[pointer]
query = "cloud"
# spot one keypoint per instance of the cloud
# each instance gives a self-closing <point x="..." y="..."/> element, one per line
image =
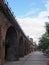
<point x="35" y="27"/>
<point x="30" y="12"/>
<point x="33" y="3"/>
<point x="45" y="13"/>
<point x="47" y="6"/>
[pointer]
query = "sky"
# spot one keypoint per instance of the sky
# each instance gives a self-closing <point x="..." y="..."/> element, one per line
<point x="31" y="16"/>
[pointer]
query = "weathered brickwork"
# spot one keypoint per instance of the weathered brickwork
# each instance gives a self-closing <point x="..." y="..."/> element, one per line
<point x="13" y="42"/>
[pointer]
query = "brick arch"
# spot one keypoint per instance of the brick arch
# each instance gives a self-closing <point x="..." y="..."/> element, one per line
<point x="21" y="47"/>
<point x="25" y="48"/>
<point x="10" y="44"/>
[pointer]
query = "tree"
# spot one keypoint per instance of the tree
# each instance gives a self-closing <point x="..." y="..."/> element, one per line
<point x="44" y="40"/>
<point x="47" y="27"/>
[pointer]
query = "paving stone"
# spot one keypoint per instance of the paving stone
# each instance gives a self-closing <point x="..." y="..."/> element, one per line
<point x="34" y="58"/>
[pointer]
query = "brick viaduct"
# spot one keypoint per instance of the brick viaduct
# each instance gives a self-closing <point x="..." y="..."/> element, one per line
<point x="13" y="42"/>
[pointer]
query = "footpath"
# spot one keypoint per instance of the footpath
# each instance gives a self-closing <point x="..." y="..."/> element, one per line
<point x="34" y="58"/>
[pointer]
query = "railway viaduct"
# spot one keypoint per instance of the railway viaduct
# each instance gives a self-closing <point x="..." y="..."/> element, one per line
<point x="13" y="42"/>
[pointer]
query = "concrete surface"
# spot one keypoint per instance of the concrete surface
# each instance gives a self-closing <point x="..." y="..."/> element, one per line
<point x="34" y="58"/>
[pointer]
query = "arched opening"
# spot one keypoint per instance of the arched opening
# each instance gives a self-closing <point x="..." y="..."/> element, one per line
<point x="25" y="48"/>
<point x="10" y="44"/>
<point x="21" y="46"/>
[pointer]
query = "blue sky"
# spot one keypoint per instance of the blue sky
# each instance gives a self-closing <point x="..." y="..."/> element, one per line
<point x="31" y="16"/>
<point x="21" y="7"/>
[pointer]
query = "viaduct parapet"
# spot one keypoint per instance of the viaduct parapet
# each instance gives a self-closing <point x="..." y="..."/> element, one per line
<point x="13" y="42"/>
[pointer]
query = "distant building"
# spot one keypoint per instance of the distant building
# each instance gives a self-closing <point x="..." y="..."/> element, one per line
<point x="34" y="46"/>
<point x="28" y="37"/>
<point x="31" y="39"/>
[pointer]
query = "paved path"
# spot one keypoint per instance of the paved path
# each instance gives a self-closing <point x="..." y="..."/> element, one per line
<point x="35" y="58"/>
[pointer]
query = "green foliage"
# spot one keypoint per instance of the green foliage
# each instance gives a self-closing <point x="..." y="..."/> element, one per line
<point x="47" y="27"/>
<point x="44" y="40"/>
